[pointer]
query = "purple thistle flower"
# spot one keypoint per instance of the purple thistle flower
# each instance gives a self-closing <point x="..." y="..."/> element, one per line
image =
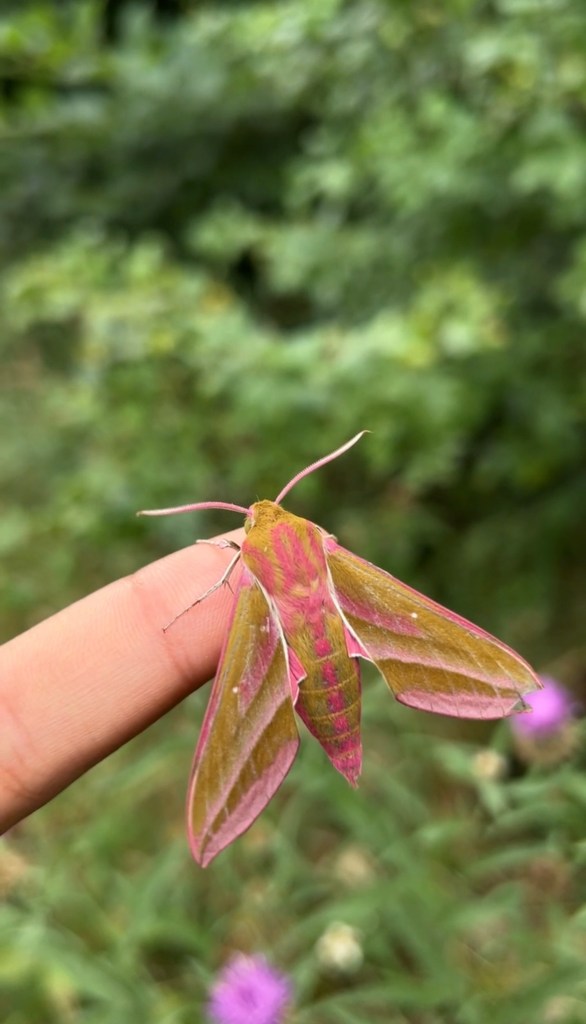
<point x="549" y="733"/>
<point x="249" y="991"/>
<point x="552" y="708"/>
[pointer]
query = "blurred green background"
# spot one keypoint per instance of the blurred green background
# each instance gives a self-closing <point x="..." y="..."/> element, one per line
<point x="232" y="234"/>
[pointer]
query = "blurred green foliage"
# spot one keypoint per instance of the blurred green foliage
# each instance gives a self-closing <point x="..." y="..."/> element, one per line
<point x="231" y="236"/>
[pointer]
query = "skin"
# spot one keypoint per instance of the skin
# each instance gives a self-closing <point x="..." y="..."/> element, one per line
<point x="83" y="682"/>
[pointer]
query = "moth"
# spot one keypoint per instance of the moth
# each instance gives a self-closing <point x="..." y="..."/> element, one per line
<point x="305" y="611"/>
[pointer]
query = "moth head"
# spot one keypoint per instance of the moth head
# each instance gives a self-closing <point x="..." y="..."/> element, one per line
<point x="263" y="514"/>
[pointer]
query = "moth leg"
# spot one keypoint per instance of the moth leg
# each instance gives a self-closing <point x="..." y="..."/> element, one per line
<point x="223" y="543"/>
<point x="223" y="579"/>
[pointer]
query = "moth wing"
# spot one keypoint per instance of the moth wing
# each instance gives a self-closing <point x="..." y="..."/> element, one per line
<point x="431" y="658"/>
<point x="249" y="738"/>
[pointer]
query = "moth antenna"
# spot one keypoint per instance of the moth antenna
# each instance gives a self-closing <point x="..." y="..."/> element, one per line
<point x="317" y="465"/>
<point x="199" y="506"/>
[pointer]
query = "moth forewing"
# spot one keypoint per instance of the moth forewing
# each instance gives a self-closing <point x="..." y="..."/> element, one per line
<point x="431" y="658"/>
<point x="249" y="738"/>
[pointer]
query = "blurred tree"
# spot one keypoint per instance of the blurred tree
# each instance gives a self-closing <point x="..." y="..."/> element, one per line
<point x="113" y="12"/>
<point x="234" y="234"/>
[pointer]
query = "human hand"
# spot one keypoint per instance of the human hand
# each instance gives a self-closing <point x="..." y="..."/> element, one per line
<point x="83" y="682"/>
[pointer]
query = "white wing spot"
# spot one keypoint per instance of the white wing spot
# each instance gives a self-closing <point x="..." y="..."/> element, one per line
<point x="235" y="689"/>
<point x="414" y="615"/>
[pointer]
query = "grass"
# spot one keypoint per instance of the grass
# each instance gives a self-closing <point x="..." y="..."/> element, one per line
<point x="461" y="874"/>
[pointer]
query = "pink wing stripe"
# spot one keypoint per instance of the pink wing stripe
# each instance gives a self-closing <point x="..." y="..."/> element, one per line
<point x="460" y="705"/>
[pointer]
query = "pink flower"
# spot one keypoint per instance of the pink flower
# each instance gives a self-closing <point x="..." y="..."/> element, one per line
<point x="552" y="708"/>
<point x="249" y="991"/>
